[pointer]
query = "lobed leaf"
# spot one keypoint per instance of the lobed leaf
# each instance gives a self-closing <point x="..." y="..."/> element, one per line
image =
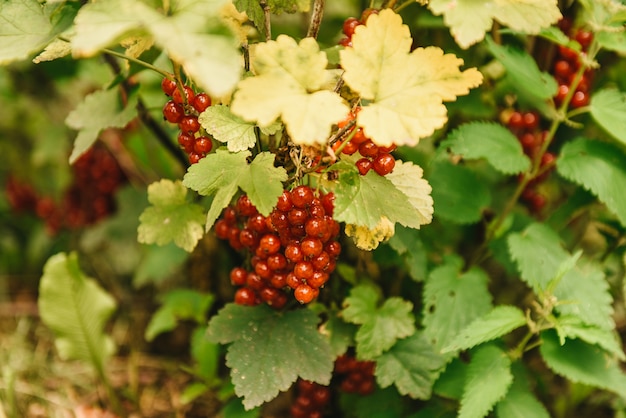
<point x="595" y="370"/>
<point x="574" y="328"/>
<point x="500" y="321"/>
<point x="598" y="167"/>
<point x="452" y="300"/>
<point x="408" y="178"/>
<point x="269" y="350"/>
<point x="226" y="127"/>
<point x="288" y="84"/>
<point x="490" y="141"/>
<point x="99" y="110"/>
<point x="222" y="173"/>
<point x="177" y="305"/>
<point x="171" y="217"/>
<point x="488" y="380"/>
<point x="405" y="89"/>
<point x="608" y="108"/>
<point x="411" y="365"/>
<point x="469" y="20"/>
<point x="76" y="309"/>
<point x="520" y="404"/>
<point x="380" y="326"/>
<point x="583" y="289"/>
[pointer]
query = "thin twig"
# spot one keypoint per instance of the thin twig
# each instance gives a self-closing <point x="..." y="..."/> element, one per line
<point x="316" y="19"/>
<point x="266" y="19"/>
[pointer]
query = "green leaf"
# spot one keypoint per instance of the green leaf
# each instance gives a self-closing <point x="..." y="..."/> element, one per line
<point x="159" y="263"/>
<point x="28" y="26"/>
<point x="459" y="195"/>
<point x="171" y="217"/>
<point x="364" y="200"/>
<point x="99" y="110"/>
<point x="500" y="321"/>
<point x="612" y="41"/>
<point x="451" y="382"/>
<point x="226" y="127"/>
<point x="407" y="243"/>
<point x="192" y="35"/>
<point x="235" y="409"/>
<point x="76" y="309"/>
<point x="179" y="304"/>
<point x="269" y="350"/>
<point x="223" y="172"/>
<point x="452" y="300"/>
<point x="205" y="353"/>
<point x="520" y="404"/>
<point x="412" y="365"/>
<point x="192" y="392"/>
<point x="491" y="141"/>
<point x="573" y="327"/>
<point x="523" y="72"/>
<point x="582" y="363"/>
<point x="381" y="326"/>
<point x="539" y="254"/>
<point x="340" y="334"/>
<point x="488" y="379"/>
<point x="408" y="178"/>
<point x="608" y="108"/>
<point x="600" y="168"/>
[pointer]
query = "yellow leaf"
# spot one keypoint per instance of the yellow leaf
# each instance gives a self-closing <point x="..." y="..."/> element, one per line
<point x="408" y="178"/>
<point x="468" y="20"/>
<point x="368" y="239"/>
<point x="287" y="84"/>
<point x="404" y="90"/>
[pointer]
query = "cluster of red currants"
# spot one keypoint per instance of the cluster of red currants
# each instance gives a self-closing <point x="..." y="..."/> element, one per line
<point x="566" y="65"/>
<point x="294" y="247"/>
<point x="351" y="23"/>
<point x="356" y="376"/>
<point x="183" y="109"/>
<point x="372" y="156"/>
<point x="526" y="126"/>
<point x="311" y="400"/>
<point x="88" y="199"/>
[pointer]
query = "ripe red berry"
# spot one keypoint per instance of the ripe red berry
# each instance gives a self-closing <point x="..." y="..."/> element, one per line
<point x="345" y="42"/>
<point x="222" y="229"/>
<point x="284" y="202"/>
<point x="333" y="249"/>
<point x="297" y="217"/>
<point x="168" y="86"/>
<point x="263" y="270"/>
<point x="302" y="196"/>
<point x="269" y="244"/>
<point x="303" y="270"/>
<point x="248" y="238"/>
<point x="359" y="137"/>
<point x="316" y="227"/>
<point x="173" y="112"/>
<point x="322" y="261"/>
<point x="367" y="13"/>
<point x="255" y="281"/>
<point x="201" y="102"/>
<point x="189" y="124"/>
<point x="305" y="293"/>
<point x="311" y="247"/>
<point x="563" y="69"/>
<point x="186" y="141"/>
<point x="238" y="276"/>
<point x="293" y="252"/>
<point x="516" y="121"/>
<point x="530" y="120"/>
<point x="584" y="38"/>
<point x="349" y="25"/>
<point x="177" y="96"/>
<point x="547" y="159"/>
<point x="368" y="149"/>
<point x="245" y="207"/>
<point x="194" y="157"/>
<point x="246" y="296"/>
<point x="276" y="262"/>
<point x="561" y="93"/>
<point x="579" y="99"/>
<point x="328" y="202"/>
<point x="384" y="164"/>
<point x="318" y="279"/>
<point x="203" y="145"/>
<point x="363" y="165"/>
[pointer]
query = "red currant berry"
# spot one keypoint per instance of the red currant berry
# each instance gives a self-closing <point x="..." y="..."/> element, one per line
<point x="363" y="165"/>
<point x="245" y="207"/>
<point x="584" y="38"/>
<point x="384" y="164"/>
<point x="230" y="216"/>
<point x="328" y="202"/>
<point x="245" y="296"/>
<point x="568" y="54"/>
<point x="297" y="217"/>
<point x="349" y="25"/>
<point x="173" y="112"/>
<point x="579" y="99"/>
<point x="322" y="261"/>
<point x="269" y="294"/>
<point x="561" y="93"/>
<point x="516" y="121"/>
<point x="269" y="244"/>
<point x="189" y="124"/>
<point x="563" y="69"/>
<point x="177" y="96"/>
<point x="293" y="252"/>
<point x="316" y="227"/>
<point x="350" y="148"/>
<point x="305" y="293"/>
<point x="367" y="13"/>
<point x="318" y="279"/>
<point x="368" y="149"/>
<point x="547" y="159"/>
<point x="292" y="281"/>
<point x="387" y="150"/>
<point x="194" y="157"/>
<point x="201" y="102"/>
<point x="303" y="270"/>
<point x="168" y="86"/>
<point x="279" y="280"/>
<point x="279" y="302"/>
<point x="333" y="249"/>
<point x="255" y="281"/>
<point x="248" y="238"/>
<point x="359" y="137"/>
<point x="186" y="141"/>
<point x="302" y="197"/>
<point x="257" y="223"/>
<point x="222" y="229"/>
<point x="311" y="247"/>
<point x="238" y="276"/>
<point x="277" y="262"/>
<point x="530" y="120"/>
<point x="203" y="145"/>
<point x="284" y="202"/>
<point x="345" y="42"/>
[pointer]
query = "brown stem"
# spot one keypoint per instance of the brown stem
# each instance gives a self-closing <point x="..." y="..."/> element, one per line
<point x="266" y="19"/>
<point x="316" y="19"/>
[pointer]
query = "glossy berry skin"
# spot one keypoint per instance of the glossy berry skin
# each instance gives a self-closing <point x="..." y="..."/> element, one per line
<point x="168" y="86"/>
<point x="384" y="164"/>
<point x="364" y="165"/>
<point x="245" y="296"/>
<point x="173" y="112"/>
<point x="201" y="102"/>
<point x="194" y="157"/>
<point x="203" y="145"/>
<point x="186" y="141"/>
<point x="305" y="293"/>
<point x="368" y="149"/>
<point x="349" y="25"/>
<point x="189" y="124"/>
<point x="579" y="99"/>
<point x="516" y="120"/>
<point x="177" y="96"/>
<point x="302" y="197"/>
<point x="238" y="276"/>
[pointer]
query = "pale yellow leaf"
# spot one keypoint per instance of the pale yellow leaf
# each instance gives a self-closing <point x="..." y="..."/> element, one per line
<point x="368" y="239"/>
<point x="405" y="90"/>
<point x="137" y="45"/>
<point x="408" y="178"/>
<point x="287" y="82"/>
<point x="55" y="49"/>
<point x="469" y="20"/>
